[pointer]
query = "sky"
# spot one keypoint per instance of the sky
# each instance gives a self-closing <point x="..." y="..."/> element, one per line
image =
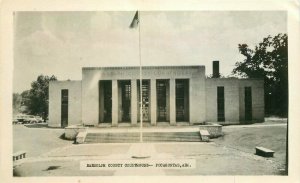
<point x="61" y="43"/>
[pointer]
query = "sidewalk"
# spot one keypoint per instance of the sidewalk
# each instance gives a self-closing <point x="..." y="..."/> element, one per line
<point x="211" y="159"/>
<point x="254" y="125"/>
<point x="232" y="154"/>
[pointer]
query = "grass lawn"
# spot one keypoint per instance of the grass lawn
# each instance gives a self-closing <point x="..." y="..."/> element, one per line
<point x="37" y="141"/>
<point x="246" y="139"/>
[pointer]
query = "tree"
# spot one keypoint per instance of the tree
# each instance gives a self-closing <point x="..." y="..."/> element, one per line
<point x="37" y="98"/>
<point x="268" y="60"/>
<point x="17" y="101"/>
<point x="25" y="101"/>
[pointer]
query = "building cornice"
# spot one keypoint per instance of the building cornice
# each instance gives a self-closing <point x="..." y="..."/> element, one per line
<point x="143" y="67"/>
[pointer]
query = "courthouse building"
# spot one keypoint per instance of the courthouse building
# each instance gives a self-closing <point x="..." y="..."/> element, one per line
<point x="173" y="95"/>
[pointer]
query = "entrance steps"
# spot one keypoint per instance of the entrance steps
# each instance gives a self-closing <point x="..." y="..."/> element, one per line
<point x="131" y="135"/>
<point x="147" y="137"/>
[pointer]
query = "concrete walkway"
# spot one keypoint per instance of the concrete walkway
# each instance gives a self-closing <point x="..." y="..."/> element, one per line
<point x="254" y="125"/>
<point x="223" y="157"/>
<point x="210" y="158"/>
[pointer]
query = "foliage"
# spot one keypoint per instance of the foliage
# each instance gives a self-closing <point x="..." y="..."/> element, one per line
<point x="25" y="101"/>
<point x="268" y="60"/>
<point x="37" y="98"/>
<point x="17" y="101"/>
<point x="220" y="76"/>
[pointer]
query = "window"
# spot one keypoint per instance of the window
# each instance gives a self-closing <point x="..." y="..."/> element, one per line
<point x="182" y="100"/>
<point x="64" y="107"/>
<point x="220" y="103"/>
<point x="248" y="104"/>
<point x="162" y="99"/>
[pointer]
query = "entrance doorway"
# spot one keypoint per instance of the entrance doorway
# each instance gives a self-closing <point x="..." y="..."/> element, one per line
<point x="145" y="101"/>
<point x="162" y="89"/>
<point x="182" y="100"/>
<point x="124" y="100"/>
<point x="105" y="101"/>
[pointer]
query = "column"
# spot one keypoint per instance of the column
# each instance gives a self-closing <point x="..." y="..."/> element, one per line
<point x="133" y="102"/>
<point x="115" y="106"/>
<point x="153" y="101"/>
<point x="172" y="102"/>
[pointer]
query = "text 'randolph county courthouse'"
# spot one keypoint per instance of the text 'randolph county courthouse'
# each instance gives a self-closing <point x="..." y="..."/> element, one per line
<point x="171" y="95"/>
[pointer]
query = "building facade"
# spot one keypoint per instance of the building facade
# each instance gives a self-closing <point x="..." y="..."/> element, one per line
<point x="170" y="94"/>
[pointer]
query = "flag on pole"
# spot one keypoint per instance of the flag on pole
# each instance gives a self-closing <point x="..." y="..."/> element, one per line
<point x="135" y="20"/>
<point x="134" y="24"/>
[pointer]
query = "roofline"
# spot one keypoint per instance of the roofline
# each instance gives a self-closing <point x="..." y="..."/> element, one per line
<point x="235" y="79"/>
<point x="148" y="67"/>
<point x="65" y="81"/>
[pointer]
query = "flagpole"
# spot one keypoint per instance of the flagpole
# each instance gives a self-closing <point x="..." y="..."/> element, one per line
<point x="141" y="83"/>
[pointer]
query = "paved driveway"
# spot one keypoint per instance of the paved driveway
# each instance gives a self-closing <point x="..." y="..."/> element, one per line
<point x="49" y="155"/>
<point x="211" y="159"/>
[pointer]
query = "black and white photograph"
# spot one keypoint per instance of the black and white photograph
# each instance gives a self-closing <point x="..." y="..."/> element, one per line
<point x="149" y="93"/>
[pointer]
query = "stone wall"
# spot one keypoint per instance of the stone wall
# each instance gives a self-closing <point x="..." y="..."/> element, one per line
<point x="84" y="95"/>
<point x="258" y="101"/>
<point x="231" y="95"/>
<point x="74" y="105"/>
<point x="90" y="90"/>
<point x="234" y="93"/>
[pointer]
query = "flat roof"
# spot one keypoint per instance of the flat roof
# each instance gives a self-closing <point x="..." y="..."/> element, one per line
<point x="145" y="67"/>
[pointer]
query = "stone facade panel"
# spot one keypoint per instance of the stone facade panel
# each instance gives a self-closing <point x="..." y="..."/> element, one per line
<point x="74" y="104"/>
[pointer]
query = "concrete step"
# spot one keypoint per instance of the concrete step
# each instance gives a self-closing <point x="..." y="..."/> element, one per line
<point x="110" y="137"/>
